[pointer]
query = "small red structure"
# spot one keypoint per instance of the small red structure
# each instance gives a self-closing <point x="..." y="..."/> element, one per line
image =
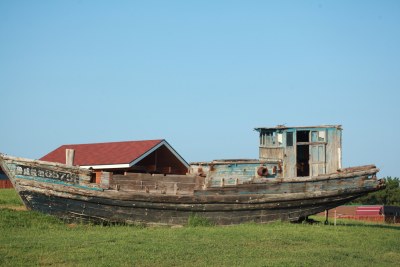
<point x="369" y="210"/>
<point x="4" y="181"/>
<point x="147" y="156"/>
<point x="372" y="213"/>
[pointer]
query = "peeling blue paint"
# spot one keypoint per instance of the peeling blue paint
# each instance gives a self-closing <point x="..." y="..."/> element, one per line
<point x="240" y="173"/>
<point x="58" y="182"/>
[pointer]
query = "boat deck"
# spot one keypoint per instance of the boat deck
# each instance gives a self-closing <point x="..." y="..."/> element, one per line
<point x="158" y="183"/>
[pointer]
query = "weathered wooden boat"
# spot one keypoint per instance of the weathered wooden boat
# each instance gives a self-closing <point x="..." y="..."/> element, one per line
<point x="298" y="174"/>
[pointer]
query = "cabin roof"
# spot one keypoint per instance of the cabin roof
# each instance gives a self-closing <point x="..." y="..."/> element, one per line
<point x="284" y="127"/>
<point x="110" y="154"/>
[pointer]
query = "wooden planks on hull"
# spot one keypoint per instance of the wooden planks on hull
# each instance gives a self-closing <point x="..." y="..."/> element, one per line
<point x="218" y="199"/>
<point x="77" y="210"/>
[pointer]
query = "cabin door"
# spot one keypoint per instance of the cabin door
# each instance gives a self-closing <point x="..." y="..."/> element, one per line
<point x="318" y="153"/>
<point x="289" y="164"/>
<point x="303" y="153"/>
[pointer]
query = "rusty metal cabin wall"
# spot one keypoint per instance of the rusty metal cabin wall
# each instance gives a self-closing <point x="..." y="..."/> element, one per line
<point x="199" y="168"/>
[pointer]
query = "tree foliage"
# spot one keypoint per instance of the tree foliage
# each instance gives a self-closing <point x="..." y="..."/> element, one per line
<point x="389" y="196"/>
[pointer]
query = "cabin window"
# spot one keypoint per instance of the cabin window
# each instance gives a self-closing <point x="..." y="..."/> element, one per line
<point x="271" y="139"/>
<point x="303" y="136"/>
<point x="322" y="136"/>
<point x="289" y="139"/>
<point x="262" y="139"/>
<point x="318" y="136"/>
<point x="267" y="138"/>
<point x="279" y="138"/>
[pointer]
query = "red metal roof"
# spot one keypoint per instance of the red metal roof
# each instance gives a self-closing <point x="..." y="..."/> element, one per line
<point x="103" y="153"/>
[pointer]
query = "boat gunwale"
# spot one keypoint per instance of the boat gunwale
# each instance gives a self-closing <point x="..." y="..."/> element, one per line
<point x="36" y="162"/>
<point x="340" y="174"/>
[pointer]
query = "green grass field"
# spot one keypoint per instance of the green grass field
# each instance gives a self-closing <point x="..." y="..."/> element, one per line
<point x="29" y="238"/>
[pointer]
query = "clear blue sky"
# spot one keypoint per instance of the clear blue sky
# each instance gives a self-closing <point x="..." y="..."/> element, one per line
<point x="201" y="74"/>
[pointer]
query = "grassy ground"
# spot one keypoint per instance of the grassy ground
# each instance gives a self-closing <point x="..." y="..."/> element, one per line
<point x="9" y="199"/>
<point x="29" y="238"/>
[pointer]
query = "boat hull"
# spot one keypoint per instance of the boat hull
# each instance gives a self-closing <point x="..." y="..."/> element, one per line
<point x="116" y="211"/>
<point x="66" y="192"/>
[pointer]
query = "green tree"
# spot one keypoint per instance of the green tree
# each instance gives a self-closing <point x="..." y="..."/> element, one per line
<point x="389" y="196"/>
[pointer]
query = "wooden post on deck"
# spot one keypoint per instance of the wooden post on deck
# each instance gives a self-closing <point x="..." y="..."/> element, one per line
<point x="69" y="156"/>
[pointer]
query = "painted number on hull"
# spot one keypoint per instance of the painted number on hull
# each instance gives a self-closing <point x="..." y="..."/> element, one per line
<point x="37" y="172"/>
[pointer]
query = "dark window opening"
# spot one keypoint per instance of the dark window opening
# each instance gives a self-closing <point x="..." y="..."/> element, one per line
<point x="303" y="136"/>
<point x="302" y="163"/>
<point x="267" y="138"/>
<point x="289" y="139"/>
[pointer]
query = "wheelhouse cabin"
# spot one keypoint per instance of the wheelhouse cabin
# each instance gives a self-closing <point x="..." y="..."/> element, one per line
<point x="302" y="151"/>
<point x="284" y="152"/>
